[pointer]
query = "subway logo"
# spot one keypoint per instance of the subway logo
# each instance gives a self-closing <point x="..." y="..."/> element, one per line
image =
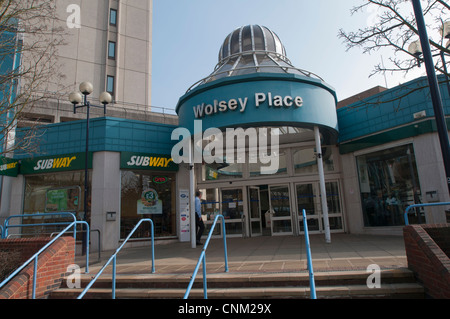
<point x="149" y="161"/>
<point x="52" y="163"/>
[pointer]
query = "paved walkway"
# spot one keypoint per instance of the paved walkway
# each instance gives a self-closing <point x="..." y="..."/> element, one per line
<point x="262" y="254"/>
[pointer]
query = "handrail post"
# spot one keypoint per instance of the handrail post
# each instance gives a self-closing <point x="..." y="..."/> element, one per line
<point x="225" y="244"/>
<point x="312" y="284"/>
<point x="34" y="277"/>
<point x="153" y="247"/>
<point x="114" y="278"/>
<point x="205" y="293"/>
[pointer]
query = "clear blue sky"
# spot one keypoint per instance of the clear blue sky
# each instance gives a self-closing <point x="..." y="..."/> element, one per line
<point x="187" y="36"/>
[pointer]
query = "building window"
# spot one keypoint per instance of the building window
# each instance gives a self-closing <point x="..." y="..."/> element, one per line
<point x="110" y="84"/>
<point x="388" y="183"/>
<point x="51" y="193"/>
<point x="305" y="160"/>
<point x="148" y="195"/>
<point x="112" y="50"/>
<point x="113" y="17"/>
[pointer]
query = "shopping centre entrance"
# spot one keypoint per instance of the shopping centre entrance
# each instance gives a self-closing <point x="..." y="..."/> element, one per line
<point x="272" y="209"/>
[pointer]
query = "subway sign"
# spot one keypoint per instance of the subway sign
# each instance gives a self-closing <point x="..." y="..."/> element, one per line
<point x="9" y="167"/>
<point x="55" y="163"/>
<point x="146" y="161"/>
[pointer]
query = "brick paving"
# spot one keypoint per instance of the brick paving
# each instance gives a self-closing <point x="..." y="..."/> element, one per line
<point x="261" y="255"/>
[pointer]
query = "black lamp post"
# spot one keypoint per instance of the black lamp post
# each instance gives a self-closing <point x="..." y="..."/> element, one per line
<point x="76" y="98"/>
<point x="434" y="89"/>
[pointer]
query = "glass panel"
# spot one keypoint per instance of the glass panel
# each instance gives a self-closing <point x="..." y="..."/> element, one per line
<point x="279" y="200"/>
<point x="269" y="41"/>
<point x="210" y="203"/>
<point x="313" y="224"/>
<point x="282" y="226"/>
<point x="111" y="50"/>
<point x="256" y="227"/>
<point x="254" y="203"/>
<point x="233" y="228"/>
<point x="220" y="171"/>
<point x="258" y="38"/>
<point x="333" y="201"/>
<point x="110" y="84"/>
<point x="138" y="187"/>
<point x="225" y="52"/>
<point x="335" y="223"/>
<point x="235" y="43"/>
<point x="305" y="161"/>
<point x="247" y="39"/>
<point x="232" y="204"/>
<point x="63" y="191"/>
<point x="217" y="230"/>
<point x="306" y="199"/>
<point x="113" y="17"/>
<point x="255" y="164"/>
<point x="388" y="183"/>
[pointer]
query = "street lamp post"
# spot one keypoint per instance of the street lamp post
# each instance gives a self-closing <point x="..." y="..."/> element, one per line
<point x="434" y="89"/>
<point x="76" y="98"/>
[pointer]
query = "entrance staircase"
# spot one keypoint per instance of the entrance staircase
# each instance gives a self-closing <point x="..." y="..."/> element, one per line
<point x="395" y="283"/>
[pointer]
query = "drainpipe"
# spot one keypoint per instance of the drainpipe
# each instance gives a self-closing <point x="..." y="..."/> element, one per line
<point x="192" y="197"/>
<point x="323" y="193"/>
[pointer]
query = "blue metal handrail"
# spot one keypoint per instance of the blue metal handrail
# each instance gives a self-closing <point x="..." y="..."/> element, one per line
<point x="6" y="224"/>
<point x="202" y="259"/>
<point x="113" y="259"/>
<point x="36" y="255"/>
<point x="312" y="284"/>
<point x="421" y="205"/>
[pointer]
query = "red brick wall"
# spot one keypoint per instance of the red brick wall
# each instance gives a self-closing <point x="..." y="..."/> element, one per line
<point x="52" y="266"/>
<point x="427" y="260"/>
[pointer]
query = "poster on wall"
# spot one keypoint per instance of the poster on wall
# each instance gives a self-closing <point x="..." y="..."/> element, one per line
<point x="149" y="203"/>
<point x="62" y="199"/>
<point x="184" y="215"/>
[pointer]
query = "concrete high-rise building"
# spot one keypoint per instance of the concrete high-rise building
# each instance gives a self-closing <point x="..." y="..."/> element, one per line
<point x="107" y="43"/>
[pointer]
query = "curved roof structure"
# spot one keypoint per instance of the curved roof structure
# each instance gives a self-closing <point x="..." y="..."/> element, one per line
<point x="252" y="49"/>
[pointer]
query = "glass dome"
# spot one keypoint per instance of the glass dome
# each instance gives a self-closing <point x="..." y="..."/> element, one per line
<point x="251" y="38"/>
<point x="252" y="49"/>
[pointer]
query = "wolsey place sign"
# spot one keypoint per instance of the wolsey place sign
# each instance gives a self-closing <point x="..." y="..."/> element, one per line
<point x="276" y="101"/>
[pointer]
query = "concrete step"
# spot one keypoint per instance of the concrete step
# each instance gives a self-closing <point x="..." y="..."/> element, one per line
<point x="397" y="291"/>
<point x="334" y="284"/>
<point x="229" y="280"/>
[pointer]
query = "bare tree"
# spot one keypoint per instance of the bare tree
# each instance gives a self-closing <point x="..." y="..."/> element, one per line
<point x="395" y="27"/>
<point x="29" y="38"/>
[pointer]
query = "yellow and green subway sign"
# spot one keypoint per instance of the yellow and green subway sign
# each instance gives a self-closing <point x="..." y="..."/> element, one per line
<point x="9" y="166"/>
<point x="56" y="163"/>
<point x="145" y="161"/>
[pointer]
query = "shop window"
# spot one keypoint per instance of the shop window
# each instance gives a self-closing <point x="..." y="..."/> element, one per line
<point x="148" y="195"/>
<point x="388" y="183"/>
<point x="51" y="193"/>
<point x="305" y="160"/>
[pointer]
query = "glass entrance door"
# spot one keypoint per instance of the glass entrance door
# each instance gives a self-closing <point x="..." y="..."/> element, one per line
<point x="280" y="210"/>
<point x="308" y="198"/>
<point x="233" y="211"/>
<point x="254" y="204"/>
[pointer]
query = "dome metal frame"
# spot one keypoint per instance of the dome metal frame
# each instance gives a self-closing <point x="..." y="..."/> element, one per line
<point x="235" y="58"/>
